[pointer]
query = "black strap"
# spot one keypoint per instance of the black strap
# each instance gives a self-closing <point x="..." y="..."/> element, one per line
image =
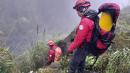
<point x="94" y="62"/>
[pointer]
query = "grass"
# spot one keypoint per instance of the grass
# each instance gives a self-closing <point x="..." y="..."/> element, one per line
<point x="33" y="59"/>
<point x="7" y="64"/>
<point x="119" y="62"/>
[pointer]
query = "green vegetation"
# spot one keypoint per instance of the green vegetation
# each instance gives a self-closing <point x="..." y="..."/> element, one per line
<point x="33" y="58"/>
<point x="119" y="62"/>
<point x="7" y="64"/>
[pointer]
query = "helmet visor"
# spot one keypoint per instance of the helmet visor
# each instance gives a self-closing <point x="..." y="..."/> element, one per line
<point x="85" y="4"/>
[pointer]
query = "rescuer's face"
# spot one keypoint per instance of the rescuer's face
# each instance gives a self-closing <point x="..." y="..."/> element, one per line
<point x="79" y="14"/>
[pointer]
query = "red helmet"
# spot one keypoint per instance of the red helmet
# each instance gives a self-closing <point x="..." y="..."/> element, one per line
<point x="112" y="8"/>
<point x="84" y="3"/>
<point x="51" y="42"/>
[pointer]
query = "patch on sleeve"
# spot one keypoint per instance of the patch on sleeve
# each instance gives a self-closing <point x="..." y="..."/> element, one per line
<point x="50" y="55"/>
<point x="81" y="27"/>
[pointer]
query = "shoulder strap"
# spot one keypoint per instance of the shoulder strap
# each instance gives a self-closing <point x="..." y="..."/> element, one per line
<point x="91" y="14"/>
<point x="94" y="62"/>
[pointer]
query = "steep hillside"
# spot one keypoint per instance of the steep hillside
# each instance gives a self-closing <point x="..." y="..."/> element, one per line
<point x="124" y="20"/>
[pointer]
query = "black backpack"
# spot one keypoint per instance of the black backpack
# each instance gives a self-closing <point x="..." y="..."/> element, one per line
<point x="96" y="35"/>
<point x="107" y="38"/>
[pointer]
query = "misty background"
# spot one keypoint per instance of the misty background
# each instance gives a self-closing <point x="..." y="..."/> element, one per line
<point x="23" y="22"/>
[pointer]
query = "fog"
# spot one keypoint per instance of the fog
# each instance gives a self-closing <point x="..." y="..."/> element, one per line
<point x="20" y="20"/>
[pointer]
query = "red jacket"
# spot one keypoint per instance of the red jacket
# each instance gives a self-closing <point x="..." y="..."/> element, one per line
<point x="84" y="32"/>
<point x="54" y="54"/>
<point x="51" y="55"/>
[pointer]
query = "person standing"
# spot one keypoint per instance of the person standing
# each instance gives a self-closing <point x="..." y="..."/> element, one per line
<point x="83" y="33"/>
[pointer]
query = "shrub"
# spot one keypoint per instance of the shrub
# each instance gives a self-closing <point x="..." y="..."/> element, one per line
<point x="64" y="63"/>
<point x="33" y="59"/>
<point x="49" y="70"/>
<point x="7" y="64"/>
<point x="119" y="62"/>
<point x="63" y="45"/>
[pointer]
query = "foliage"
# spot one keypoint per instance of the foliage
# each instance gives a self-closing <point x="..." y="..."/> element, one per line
<point x="64" y="63"/>
<point x="102" y="63"/>
<point x="48" y="70"/>
<point x="119" y="62"/>
<point x="33" y="59"/>
<point x="7" y="64"/>
<point x="62" y="44"/>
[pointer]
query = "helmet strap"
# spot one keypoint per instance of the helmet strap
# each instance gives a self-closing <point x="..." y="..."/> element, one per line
<point x="86" y="10"/>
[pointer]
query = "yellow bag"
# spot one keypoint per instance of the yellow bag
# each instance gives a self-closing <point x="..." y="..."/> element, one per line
<point x="105" y="21"/>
